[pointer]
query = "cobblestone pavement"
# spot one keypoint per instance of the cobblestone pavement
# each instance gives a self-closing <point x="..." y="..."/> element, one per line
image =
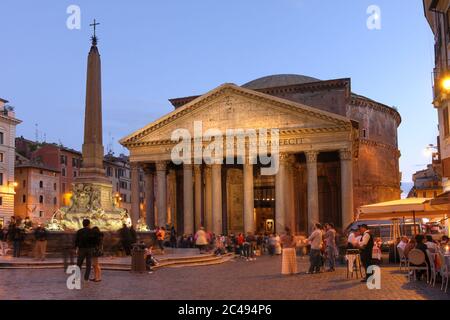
<point x="256" y="280"/>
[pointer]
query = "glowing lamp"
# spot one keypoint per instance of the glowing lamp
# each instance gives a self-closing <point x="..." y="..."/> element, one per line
<point x="446" y="83"/>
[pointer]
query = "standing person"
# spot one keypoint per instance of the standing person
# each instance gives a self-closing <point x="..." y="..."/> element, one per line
<point x="160" y="236"/>
<point x="97" y="238"/>
<point x="277" y="244"/>
<point x="289" y="257"/>
<point x="18" y="238"/>
<point x="173" y="237"/>
<point x="84" y="243"/>
<point x="126" y="239"/>
<point x="3" y="239"/>
<point x="40" y="235"/>
<point x="201" y="240"/>
<point x="134" y="238"/>
<point x="240" y="243"/>
<point x="331" y="248"/>
<point x="248" y="246"/>
<point x="315" y="240"/>
<point x="352" y="240"/>
<point x="366" y="248"/>
<point x="272" y="244"/>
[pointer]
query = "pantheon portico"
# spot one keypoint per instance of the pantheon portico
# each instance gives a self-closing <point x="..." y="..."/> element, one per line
<point x="318" y="169"/>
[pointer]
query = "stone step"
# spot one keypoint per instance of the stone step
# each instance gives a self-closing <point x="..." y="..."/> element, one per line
<point x="169" y="262"/>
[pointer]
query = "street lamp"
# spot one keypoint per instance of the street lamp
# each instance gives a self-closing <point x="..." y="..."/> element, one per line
<point x="445" y="83"/>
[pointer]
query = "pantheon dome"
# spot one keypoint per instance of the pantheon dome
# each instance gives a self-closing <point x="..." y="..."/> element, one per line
<point x="278" y="80"/>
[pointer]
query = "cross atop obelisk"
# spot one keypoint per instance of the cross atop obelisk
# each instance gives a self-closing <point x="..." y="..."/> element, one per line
<point x="94" y="37"/>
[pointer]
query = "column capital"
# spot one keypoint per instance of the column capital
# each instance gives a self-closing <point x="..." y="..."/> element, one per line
<point x="161" y="165"/>
<point x="345" y="154"/>
<point x="286" y="158"/>
<point x="311" y="156"/>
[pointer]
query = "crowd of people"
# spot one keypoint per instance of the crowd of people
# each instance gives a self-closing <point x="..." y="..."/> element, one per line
<point x="324" y="244"/>
<point x="14" y="233"/>
<point x="424" y="243"/>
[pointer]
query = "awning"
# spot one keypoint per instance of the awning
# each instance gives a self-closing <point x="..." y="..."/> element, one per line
<point x="399" y="209"/>
<point x="442" y="200"/>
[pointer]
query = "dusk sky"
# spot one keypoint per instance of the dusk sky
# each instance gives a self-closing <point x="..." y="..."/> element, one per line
<point x="156" y="50"/>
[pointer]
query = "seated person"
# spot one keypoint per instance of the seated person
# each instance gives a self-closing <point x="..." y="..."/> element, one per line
<point x="411" y="245"/>
<point x="421" y="245"/>
<point x="403" y="243"/>
<point x="150" y="260"/>
<point x="431" y="245"/>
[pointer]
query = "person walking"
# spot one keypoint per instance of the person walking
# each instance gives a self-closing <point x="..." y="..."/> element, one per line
<point x="330" y="246"/>
<point x="366" y="247"/>
<point x="84" y="244"/>
<point x="315" y="240"/>
<point x="160" y="236"/>
<point x="40" y="249"/>
<point x="201" y="240"/>
<point x="126" y="239"/>
<point x="289" y="257"/>
<point x="97" y="238"/>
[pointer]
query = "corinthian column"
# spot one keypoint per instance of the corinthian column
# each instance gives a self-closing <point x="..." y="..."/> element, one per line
<point x="149" y="198"/>
<point x="347" y="187"/>
<point x="161" y="197"/>
<point x="216" y="198"/>
<point x="280" y="190"/>
<point x="198" y="196"/>
<point x="188" y="199"/>
<point x="249" y="201"/>
<point x="313" y="188"/>
<point x="290" y="195"/>
<point x="135" y="208"/>
<point x="208" y="199"/>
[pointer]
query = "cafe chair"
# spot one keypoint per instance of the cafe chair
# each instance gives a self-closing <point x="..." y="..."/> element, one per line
<point x="417" y="262"/>
<point x="403" y="259"/>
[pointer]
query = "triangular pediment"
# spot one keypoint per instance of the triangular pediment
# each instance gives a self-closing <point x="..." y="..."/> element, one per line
<point x="233" y="107"/>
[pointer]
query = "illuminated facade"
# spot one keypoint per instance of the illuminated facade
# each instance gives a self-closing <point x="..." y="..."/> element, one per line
<point x="8" y="123"/>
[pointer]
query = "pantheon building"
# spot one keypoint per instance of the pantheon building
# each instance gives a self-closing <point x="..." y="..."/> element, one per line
<point x="337" y="151"/>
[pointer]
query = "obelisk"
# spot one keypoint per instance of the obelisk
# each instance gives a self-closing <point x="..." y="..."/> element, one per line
<point x="92" y="190"/>
<point x="92" y="169"/>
